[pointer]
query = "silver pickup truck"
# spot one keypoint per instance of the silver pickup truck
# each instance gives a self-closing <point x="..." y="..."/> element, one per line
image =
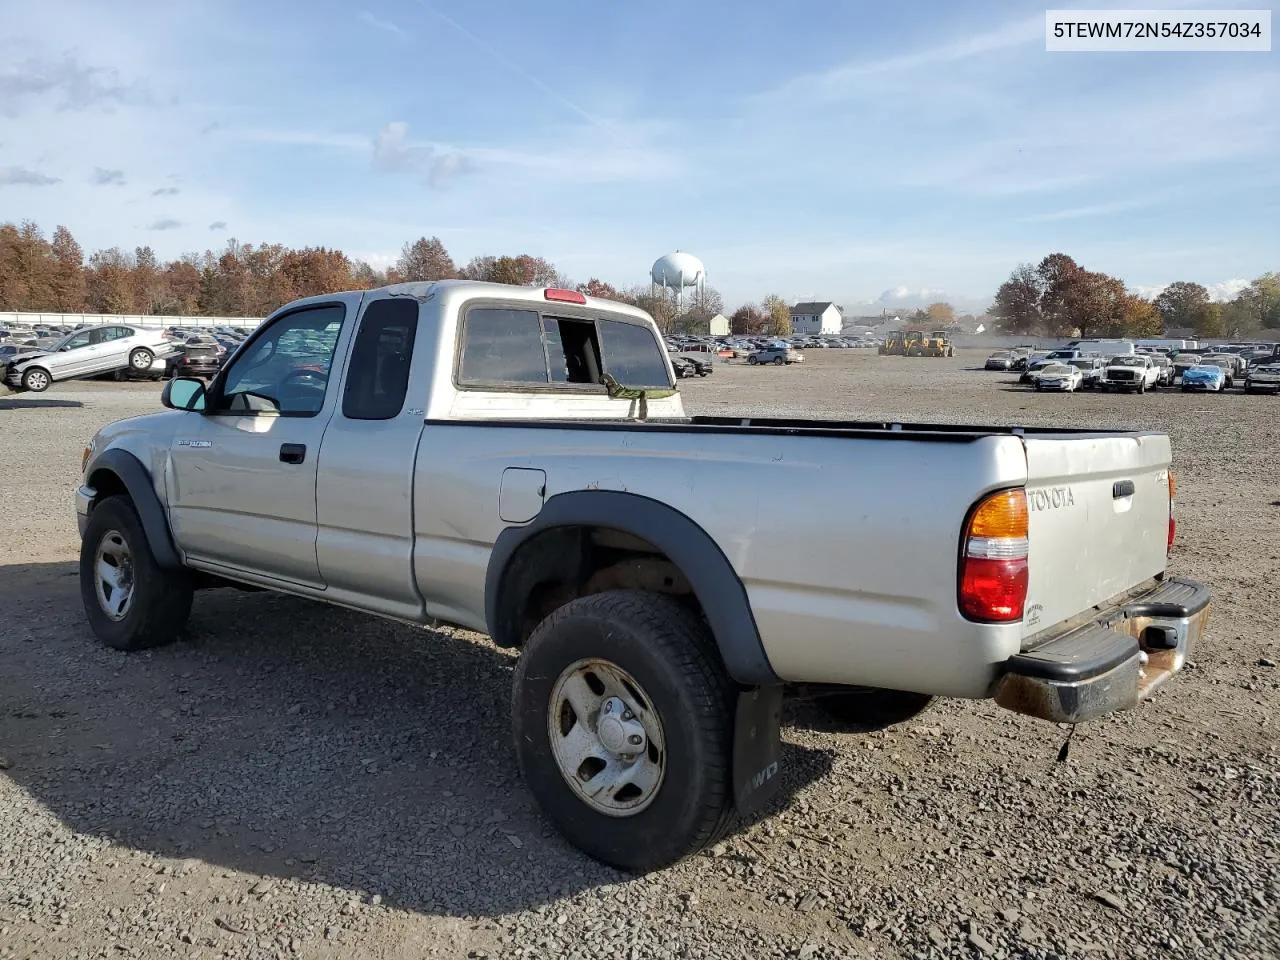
<point x="517" y="461"/>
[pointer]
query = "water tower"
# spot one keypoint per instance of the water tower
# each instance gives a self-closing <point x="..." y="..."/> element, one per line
<point x="675" y="273"/>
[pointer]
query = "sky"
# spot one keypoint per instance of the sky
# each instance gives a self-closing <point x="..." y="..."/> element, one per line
<point x="878" y="155"/>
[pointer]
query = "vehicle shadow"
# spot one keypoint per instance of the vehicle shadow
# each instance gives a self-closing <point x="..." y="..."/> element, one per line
<point x="25" y="403"/>
<point x="293" y="740"/>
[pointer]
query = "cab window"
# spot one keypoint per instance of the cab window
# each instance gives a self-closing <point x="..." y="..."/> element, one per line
<point x="285" y="371"/>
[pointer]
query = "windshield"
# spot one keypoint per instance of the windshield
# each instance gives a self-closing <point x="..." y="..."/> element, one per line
<point x="1083" y="364"/>
<point x="1128" y="361"/>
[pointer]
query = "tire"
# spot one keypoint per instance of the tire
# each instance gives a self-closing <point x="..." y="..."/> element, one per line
<point x="778" y="361"/>
<point x="36" y="379"/>
<point x="665" y="648"/>
<point x="870" y="708"/>
<point x="752" y="360"/>
<point x="140" y="359"/>
<point x="1142" y="387"/>
<point x="159" y="600"/>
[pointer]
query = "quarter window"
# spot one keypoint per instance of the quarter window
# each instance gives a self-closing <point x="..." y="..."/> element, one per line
<point x="378" y="377"/>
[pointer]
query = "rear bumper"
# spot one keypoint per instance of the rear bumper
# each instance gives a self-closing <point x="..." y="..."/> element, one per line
<point x="1122" y="655"/>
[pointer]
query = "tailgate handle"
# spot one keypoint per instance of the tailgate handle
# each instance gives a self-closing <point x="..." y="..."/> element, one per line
<point x="1122" y="488"/>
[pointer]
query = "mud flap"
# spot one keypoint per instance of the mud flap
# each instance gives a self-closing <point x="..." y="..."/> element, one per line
<point x="757" y="747"/>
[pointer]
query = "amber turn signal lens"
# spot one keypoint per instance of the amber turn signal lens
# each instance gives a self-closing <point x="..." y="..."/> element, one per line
<point x="1002" y="514"/>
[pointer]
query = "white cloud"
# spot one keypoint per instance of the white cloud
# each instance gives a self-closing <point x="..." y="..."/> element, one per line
<point x="25" y="177"/>
<point x="393" y="152"/>
<point x="107" y="178"/>
<point x="1226" y="289"/>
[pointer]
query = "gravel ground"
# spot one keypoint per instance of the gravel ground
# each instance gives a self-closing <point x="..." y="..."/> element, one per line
<point x="295" y="780"/>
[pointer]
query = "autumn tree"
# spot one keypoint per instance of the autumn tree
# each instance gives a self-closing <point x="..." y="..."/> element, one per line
<point x="110" y="282"/>
<point x="598" y="288"/>
<point x="778" y="315"/>
<point x="1207" y="321"/>
<point x="67" y="280"/>
<point x="1017" y="304"/>
<point x="1258" y="304"/>
<point x="1180" y="302"/>
<point x="748" y="320"/>
<point x="1137" y="317"/>
<point x="148" y="297"/>
<point x="941" y="313"/>
<point x="425" y="259"/>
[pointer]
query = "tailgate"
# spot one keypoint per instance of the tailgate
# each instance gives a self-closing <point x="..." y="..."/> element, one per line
<point x="1098" y="520"/>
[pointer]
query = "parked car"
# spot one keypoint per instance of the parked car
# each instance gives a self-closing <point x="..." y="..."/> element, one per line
<point x="1164" y="369"/>
<point x="1001" y="360"/>
<point x="1130" y="372"/>
<point x="683" y="367"/>
<point x="200" y="357"/>
<point x="1263" y="379"/>
<point x="703" y="363"/>
<point x="775" y="355"/>
<point x="461" y="479"/>
<point x="1208" y="376"/>
<point x="1182" y="362"/>
<point x="86" y="353"/>
<point x="1032" y="370"/>
<point x="1228" y="366"/>
<point x="1090" y="370"/>
<point x="1235" y="364"/>
<point x="1056" y="375"/>
<point x="1059" y="376"/>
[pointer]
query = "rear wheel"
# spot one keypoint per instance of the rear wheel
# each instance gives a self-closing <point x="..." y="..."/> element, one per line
<point x="622" y="717"/>
<point x="140" y="359"/>
<point x="778" y="361"/>
<point x="132" y="603"/>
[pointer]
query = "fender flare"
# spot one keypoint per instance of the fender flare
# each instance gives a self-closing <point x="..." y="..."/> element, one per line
<point x="129" y="470"/>
<point x="715" y="583"/>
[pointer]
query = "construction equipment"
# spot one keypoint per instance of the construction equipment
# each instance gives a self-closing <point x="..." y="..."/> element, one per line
<point x="913" y="343"/>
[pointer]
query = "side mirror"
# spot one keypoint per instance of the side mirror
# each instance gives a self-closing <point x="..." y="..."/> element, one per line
<point x="183" y="393"/>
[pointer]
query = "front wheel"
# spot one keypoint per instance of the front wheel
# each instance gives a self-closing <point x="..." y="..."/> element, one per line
<point x="36" y="380"/>
<point x="622" y="715"/>
<point x="132" y="603"/>
<point x="752" y="360"/>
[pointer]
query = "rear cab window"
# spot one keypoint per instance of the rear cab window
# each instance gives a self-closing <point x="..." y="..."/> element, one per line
<point x="510" y="347"/>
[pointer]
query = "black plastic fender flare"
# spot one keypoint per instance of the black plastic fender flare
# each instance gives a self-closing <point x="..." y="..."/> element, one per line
<point x="715" y="583"/>
<point x="129" y="470"/>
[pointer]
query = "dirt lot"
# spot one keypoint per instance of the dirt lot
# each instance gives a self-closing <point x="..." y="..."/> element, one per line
<point x="295" y="780"/>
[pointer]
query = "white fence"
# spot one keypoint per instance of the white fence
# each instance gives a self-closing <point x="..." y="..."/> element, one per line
<point x="156" y="321"/>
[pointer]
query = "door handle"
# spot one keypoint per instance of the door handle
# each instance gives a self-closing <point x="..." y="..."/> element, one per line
<point x="293" y="452"/>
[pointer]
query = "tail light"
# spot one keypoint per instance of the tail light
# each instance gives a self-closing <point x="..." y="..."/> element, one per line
<point x="993" y="565"/>
<point x="1173" y="523"/>
<point x="564" y="296"/>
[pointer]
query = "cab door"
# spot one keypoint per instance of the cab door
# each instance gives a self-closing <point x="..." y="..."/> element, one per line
<point x="242" y="481"/>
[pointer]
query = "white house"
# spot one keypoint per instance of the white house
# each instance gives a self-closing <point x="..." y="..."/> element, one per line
<point x="814" y="318"/>
<point x="719" y="325"/>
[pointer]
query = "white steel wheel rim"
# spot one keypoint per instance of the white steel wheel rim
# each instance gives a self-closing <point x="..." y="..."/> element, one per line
<point x="607" y="738"/>
<point x="113" y="575"/>
<point x="141" y="360"/>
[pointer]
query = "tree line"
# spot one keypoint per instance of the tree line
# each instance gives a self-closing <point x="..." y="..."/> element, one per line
<point x="1059" y="297"/>
<point x="52" y="275"/>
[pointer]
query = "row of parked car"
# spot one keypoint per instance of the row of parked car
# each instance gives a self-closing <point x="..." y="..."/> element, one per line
<point x="119" y="350"/>
<point x="1214" y="369"/>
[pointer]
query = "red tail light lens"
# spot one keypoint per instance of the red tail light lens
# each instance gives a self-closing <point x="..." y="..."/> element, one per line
<point x="993" y="567"/>
<point x="565" y="296"/>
